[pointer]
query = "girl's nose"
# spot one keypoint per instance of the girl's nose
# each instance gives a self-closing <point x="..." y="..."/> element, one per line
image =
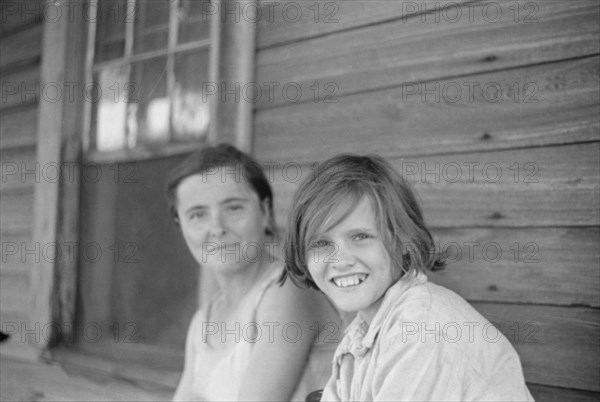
<point x="342" y="258"/>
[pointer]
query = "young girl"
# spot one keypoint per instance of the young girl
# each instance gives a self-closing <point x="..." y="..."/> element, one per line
<point x="357" y="233"/>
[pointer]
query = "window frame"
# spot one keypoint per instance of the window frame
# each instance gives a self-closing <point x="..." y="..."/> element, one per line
<point x="143" y="151"/>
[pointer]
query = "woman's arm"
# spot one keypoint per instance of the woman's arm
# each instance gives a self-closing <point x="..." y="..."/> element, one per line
<point x="277" y="362"/>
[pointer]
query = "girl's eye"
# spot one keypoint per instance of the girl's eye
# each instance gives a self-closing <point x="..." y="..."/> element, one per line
<point x="320" y="244"/>
<point x="362" y="236"/>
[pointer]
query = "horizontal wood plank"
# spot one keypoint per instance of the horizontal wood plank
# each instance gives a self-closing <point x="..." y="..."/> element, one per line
<point x="15" y="257"/>
<point x="22" y="88"/>
<point x="14" y="294"/>
<point x="48" y="381"/>
<point x="22" y="48"/>
<point x="17" y="345"/>
<point x="556" y="266"/>
<point x="542" y="393"/>
<point x="556" y="103"/>
<point x="20" y="171"/>
<point x="558" y="346"/>
<point x="17" y="212"/>
<point x="534" y="187"/>
<point x="544" y="187"/>
<point x="290" y="21"/>
<point x="18" y="127"/>
<point x="148" y="364"/>
<point x="17" y="15"/>
<point x="486" y="37"/>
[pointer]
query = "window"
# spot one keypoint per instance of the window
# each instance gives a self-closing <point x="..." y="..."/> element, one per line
<point x="151" y="58"/>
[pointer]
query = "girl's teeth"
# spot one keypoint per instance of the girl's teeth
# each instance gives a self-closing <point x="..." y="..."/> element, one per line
<point x="351" y="280"/>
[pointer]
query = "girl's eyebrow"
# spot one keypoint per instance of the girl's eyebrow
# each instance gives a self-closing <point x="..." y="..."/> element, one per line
<point x="362" y="229"/>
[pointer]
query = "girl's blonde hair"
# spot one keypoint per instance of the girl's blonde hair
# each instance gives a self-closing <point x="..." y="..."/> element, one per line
<point x="324" y="199"/>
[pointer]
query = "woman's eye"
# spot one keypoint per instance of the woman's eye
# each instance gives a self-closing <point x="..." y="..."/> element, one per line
<point x="196" y="215"/>
<point x="235" y="207"/>
<point x="362" y="236"/>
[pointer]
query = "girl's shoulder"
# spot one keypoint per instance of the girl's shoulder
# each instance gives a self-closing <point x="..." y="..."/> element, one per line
<point x="429" y="303"/>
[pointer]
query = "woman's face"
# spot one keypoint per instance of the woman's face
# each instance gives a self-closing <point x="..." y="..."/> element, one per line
<point x="222" y="220"/>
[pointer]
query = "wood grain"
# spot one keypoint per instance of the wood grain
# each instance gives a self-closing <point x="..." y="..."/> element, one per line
<point x="44" y="381"/>
<point x="17" y="212"/>
<point x="563" y="109"/>
<point x="533" y="187"/>
<point x="558" y="346"/>
<point x="289" y="21"/>
<point x="16" y="346"/>
<point x="22" y="88"/>
<point x="544" y="393"/>
<point x="14" y="293"/>
<point x="46" y="202"/>
<point x="18" y="127"/>
<point x="21" y="49"/>
<point x="20" y="171"/>
<point x="412" y="50"/>
<point x="14" y="262"/>
<point x="17" y="15"/>
<point x="556" y="266"/>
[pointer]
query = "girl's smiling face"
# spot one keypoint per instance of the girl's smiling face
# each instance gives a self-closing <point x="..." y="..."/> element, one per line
<point x="350" y="263"/>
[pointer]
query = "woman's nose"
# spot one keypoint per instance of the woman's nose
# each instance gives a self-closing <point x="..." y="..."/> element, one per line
<point x="217" y="228"/>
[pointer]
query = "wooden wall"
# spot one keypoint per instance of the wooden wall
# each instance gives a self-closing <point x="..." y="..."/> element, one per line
<point x="491" y="109"/>
<point x="20" y="47"/>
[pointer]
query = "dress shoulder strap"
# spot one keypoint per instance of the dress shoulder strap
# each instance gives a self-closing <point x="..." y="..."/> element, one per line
<point x="270" y="280"/>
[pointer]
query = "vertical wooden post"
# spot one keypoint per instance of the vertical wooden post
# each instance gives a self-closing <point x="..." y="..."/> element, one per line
<point x="56" y="202"/>
<point x="234" y="39"/>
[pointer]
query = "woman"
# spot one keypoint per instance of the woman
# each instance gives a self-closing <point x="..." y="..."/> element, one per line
<point x="255" y="340"/>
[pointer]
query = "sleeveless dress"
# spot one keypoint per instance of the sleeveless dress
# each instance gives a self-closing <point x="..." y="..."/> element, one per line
<point x="218" y="372"/>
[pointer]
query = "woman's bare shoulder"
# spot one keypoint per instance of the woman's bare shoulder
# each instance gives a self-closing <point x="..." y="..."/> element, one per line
<point x="292" y="302"/>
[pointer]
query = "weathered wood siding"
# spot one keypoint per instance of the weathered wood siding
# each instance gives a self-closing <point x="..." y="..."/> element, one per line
<point x="20" y="47"/>
<point x="491" y="109"/>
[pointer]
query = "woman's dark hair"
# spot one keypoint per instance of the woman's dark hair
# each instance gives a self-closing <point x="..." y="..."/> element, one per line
<point x="324" y="199"/>
<point x="210" y="160"/>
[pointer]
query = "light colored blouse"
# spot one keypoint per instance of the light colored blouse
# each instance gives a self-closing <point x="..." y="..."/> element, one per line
<point x="218" y="371"/>
<point x="425" y="343"/>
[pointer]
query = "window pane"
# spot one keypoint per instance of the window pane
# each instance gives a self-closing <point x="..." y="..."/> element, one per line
<point x="151" y="108"/>
<point x="110" y="32"/>
<point x="152" y="25"/>
<point x="193" y="20"/>
<point x="190" y="107"/>
<point x="110" y="98"/>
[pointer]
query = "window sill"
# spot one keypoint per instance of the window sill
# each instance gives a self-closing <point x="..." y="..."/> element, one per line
<point x="143" y="152"/>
